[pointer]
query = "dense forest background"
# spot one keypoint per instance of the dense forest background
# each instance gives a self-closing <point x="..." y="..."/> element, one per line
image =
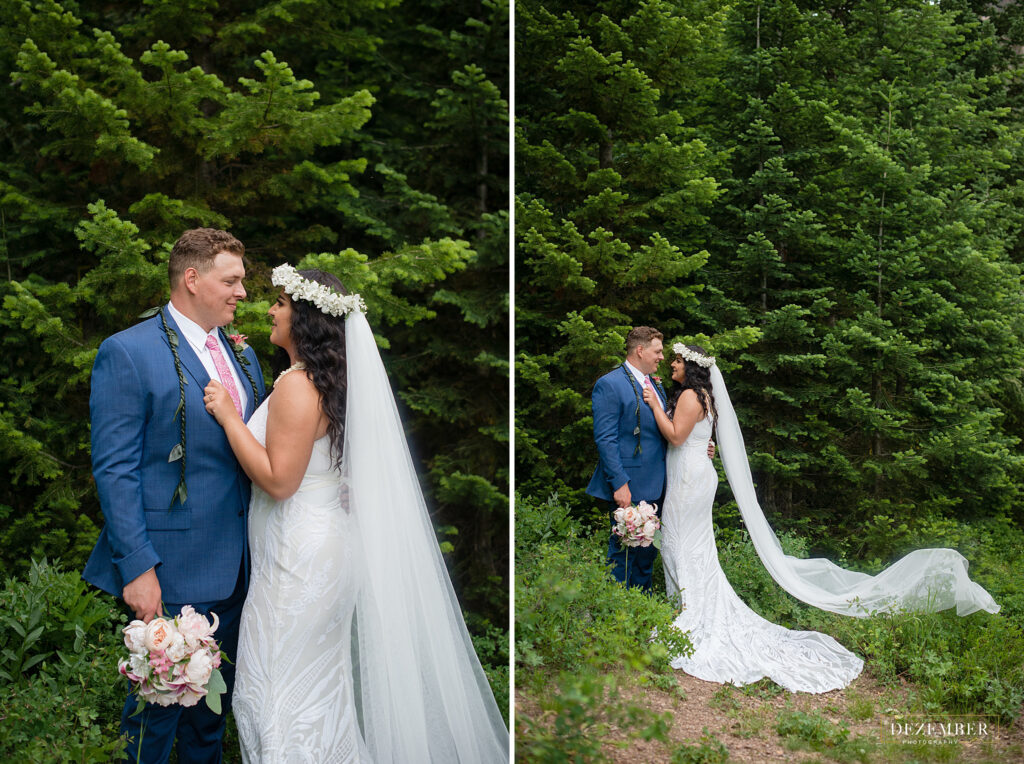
<point x="369" y="138"/>
<point x="828" y="196"/>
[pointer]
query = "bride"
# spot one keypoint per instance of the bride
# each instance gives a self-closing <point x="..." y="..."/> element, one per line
<point x="352" y="644"/>
<point x="731" y="642"/>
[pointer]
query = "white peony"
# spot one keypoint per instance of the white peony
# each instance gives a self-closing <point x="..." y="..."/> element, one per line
<point x="175" y="651"/>
<point x="135" y="636"/>
<point x="199" y="668"/>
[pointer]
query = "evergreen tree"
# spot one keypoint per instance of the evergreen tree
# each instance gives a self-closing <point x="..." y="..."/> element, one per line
<point x="849" y="187"/>
<point x="867" y="231"/>
<point x="124" y="125"/>
<point x="614" y="185"/>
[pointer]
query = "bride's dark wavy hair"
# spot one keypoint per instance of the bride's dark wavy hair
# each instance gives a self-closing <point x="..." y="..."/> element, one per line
<point x="697" y="379"/>
<point x="319" y="341"/>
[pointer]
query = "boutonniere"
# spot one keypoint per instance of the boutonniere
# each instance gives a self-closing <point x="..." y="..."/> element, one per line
<point x="238" y="346"/>
<point x="656" y="378"/>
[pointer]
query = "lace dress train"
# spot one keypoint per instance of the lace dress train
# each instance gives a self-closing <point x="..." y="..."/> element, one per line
<point x="293" y="698"/>
<point x="731" y="642"/>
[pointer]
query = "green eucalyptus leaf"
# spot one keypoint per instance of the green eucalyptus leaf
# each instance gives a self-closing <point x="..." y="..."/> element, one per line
<point x="216" y="683"/>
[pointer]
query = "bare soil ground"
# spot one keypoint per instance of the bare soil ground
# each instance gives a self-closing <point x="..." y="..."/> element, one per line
<point x="744" y="721"/>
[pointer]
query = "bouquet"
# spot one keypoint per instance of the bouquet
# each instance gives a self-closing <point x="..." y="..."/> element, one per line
<point x="637" y="525"/>
<point x="174" y="660"/>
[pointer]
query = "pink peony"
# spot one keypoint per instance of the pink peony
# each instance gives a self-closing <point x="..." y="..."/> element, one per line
<point x="195" y="628"/>
<point x="159" y="633"/>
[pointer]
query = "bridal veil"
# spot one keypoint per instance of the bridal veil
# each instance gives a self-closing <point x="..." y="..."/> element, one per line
<point x="925" y="579"/>
<point x="420" y="690"/>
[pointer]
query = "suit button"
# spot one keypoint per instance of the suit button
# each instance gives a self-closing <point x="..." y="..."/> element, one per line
<point x="241" y="512"/>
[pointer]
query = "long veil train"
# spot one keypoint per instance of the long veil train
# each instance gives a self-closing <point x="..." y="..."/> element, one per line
<point x="420" y="690"/>
<point x="925" y="579"/>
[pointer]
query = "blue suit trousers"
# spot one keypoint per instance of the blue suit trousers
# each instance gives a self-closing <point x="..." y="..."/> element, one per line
<point x="198" y="729"/>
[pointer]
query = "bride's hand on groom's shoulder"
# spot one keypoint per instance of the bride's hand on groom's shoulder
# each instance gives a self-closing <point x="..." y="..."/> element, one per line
<point x="218" y="402"/>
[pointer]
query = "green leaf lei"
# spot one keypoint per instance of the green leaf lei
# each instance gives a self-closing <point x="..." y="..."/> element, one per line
<point x="179" y="450"/>
<point x="636" y="392"/>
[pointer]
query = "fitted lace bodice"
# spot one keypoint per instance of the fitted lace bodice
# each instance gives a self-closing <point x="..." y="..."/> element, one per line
<point x="700" y="435"/>
<point x="320" y="472"/>
<point x="688" y="462"/>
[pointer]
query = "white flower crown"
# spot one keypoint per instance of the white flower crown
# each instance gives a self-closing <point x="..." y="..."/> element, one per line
<point x="322" y="296"/>
<point x="686" y="354"/>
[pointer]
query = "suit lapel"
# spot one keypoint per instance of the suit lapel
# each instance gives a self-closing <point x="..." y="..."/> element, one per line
<point x="661" y="393"/>
<point x="188" y="356"/>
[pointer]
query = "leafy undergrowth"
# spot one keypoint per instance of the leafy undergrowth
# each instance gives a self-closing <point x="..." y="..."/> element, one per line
<point x="593" y="686"/>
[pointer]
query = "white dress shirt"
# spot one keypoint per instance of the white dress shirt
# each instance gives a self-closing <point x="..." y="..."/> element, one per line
<point x="641" y="379"/>
<point x="196" y="337"/>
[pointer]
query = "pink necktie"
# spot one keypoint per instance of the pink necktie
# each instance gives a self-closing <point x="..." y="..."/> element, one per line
<point x="648" y="383"/>
<point x="225" y="373"/>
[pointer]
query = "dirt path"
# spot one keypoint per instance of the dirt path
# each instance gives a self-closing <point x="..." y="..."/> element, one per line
<point x="744" y="721"/>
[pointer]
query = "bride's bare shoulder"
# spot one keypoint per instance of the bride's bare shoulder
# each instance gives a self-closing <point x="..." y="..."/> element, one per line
<point x="688" y="404"/>
<point x="295" y="388"/>
<point x="688" y="397"/>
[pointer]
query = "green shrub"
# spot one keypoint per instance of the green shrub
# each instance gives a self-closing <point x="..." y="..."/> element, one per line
<point x="752" y="582"/>
<point x="67" y="704"/>
<point x="491" y="645"/>
<point x="965" y="665"/>
<point x="570" y="612"/>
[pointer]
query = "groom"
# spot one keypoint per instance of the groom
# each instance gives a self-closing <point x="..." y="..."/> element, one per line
<point x="175" y="536"/>
<point x="631" y="451"/>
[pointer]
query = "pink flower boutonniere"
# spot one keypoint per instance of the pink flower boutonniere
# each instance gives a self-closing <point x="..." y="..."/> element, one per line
<point x="656" y="379"/>
<point x="239" y="340"/>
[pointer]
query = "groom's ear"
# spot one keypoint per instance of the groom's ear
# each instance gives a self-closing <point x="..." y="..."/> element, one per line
<point x="189" y="279"/>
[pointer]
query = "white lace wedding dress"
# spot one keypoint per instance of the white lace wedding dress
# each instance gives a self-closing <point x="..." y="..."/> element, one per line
<point x="293" y="698"/>
<point x="731" y="642"/>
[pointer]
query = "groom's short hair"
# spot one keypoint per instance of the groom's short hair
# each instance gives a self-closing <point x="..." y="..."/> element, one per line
<point x="641" y="336"/>
<point x="197" y="248"/>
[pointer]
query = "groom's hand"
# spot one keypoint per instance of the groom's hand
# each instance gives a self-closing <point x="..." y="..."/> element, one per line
<point x="143" y="595"/>
<point x="623" y="497"/>
<point x="711" y="449"/>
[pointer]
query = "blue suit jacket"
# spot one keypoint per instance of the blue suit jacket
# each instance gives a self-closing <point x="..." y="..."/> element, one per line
<point x="198" y="547"/>
<point x="614" y="406"/>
